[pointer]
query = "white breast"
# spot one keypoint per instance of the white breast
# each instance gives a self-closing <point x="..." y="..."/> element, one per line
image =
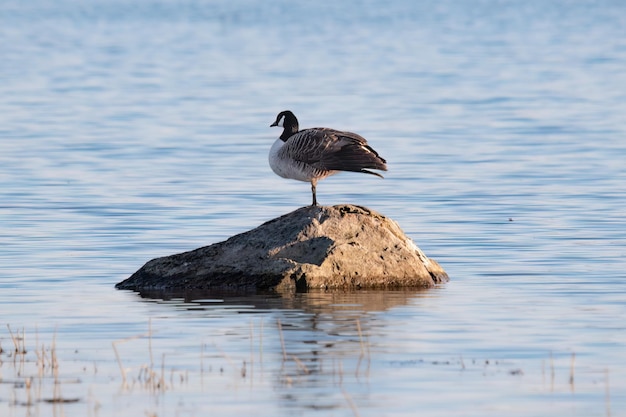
<point x="288" y="167"/>
<point x="283" y="167"/>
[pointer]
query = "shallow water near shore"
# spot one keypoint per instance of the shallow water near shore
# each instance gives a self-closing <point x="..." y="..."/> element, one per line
<point x="135" y="130"/>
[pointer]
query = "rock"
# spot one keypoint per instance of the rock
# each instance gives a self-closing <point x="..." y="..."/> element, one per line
<point x="343" y="246"/>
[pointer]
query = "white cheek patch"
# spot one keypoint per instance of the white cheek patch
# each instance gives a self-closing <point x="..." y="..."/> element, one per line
<point x="281" y="121"/>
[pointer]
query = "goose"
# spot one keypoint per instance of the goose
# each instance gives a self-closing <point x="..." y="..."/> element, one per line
<point x="310" y="155"/>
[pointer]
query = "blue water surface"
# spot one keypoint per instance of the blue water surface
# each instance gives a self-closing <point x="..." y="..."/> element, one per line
<point x="136" y="129"/>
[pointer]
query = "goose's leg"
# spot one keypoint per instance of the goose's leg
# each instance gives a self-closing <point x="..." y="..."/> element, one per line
<point x="313" y="186"/>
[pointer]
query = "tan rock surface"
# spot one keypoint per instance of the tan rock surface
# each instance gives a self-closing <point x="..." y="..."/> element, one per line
<point x="343" y="246"/>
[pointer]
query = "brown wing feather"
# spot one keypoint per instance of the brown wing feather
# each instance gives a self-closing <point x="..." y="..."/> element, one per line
<point x="332" y="150"/>
<point x="350" y="152"/>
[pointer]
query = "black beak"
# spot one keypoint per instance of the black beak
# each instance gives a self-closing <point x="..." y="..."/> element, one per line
<point x="274" y="124"/>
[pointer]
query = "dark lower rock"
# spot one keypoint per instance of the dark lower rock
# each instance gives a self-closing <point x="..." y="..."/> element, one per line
<point x="343" y="246"/>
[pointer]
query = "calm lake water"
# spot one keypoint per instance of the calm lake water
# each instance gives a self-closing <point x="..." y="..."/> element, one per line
<point x="136" y="129"/>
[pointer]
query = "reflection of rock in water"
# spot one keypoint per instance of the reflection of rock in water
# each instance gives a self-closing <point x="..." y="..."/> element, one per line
<point x="326" y="337"/>
<point x="313" y="301"/>
<point x="327" y="344"/>
<point x="343" y="246"/>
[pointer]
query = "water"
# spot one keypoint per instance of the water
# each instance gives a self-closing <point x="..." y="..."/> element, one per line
<point x="131" y="130"/>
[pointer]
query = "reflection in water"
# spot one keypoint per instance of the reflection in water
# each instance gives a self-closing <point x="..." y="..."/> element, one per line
<point x="323" y="336"/>
<point x="317" y="302"/>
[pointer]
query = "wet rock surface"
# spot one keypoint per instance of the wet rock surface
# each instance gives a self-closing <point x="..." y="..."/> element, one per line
<point x="343" y="246"/>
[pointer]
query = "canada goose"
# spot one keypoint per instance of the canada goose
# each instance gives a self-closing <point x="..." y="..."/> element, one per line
<point x="313" y="154"/>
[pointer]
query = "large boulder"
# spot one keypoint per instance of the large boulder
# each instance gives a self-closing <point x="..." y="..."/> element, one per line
<point x="343" y="246"/>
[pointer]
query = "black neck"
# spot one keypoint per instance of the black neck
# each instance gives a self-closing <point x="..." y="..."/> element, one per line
<point x="290" y="125"/>
<point x="288" y="132"/>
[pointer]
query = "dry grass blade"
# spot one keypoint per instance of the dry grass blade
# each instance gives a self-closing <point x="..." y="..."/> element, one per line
<point x="301" y="365"/>
<point x="607" y="394"/>
<point x="119" y="359"/>
<point x="571" y="371"/>
<point x="282" y="340"/>
<point x="350" y="402"/>
<point x="365" y="350"/>
<point x="19" y="348"/>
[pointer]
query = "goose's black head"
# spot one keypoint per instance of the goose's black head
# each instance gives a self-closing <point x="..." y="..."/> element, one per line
<point x="287" y="120"/>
